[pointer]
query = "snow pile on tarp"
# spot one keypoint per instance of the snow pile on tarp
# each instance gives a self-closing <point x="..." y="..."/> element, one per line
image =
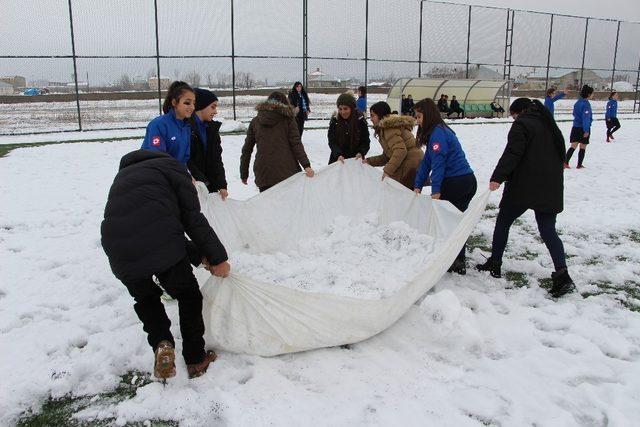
<point x="250" y="315"/>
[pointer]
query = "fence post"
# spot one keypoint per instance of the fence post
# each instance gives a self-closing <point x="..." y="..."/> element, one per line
<point x="155" y="7"/>
<point x="366" y="43"/>
<point x="233" y="65"/>
<point x="636" y="101"/>
<point x="75" y="67"/>
<point x="584" y="51"/>
<point x="468" y="43"/>
<point x="420" y="43"/>
<point x="615" y="55"/>
<point x="305" y="50"/>
<point x="546" y="79"/>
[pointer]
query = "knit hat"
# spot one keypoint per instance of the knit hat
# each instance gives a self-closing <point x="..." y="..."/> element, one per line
<point x="347" y="99"/>
<point x="204" y="98"/>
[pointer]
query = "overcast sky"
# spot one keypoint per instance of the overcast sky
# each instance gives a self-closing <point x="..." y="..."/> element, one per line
<point x="274" y="27"/>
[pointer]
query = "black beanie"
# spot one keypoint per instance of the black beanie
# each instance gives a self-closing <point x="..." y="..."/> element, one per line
<point x="204" y="98"/>
<point x="346" y="99"/>
<point x="520" y="105"/>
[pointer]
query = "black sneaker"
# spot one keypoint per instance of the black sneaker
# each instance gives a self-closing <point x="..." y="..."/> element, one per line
<point x="459" y="267"/>
<point x="493" y="267"/>
<point x="562" y="283"/>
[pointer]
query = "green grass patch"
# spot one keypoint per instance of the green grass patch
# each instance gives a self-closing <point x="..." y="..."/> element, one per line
<point x="596" y="260"/>
<point x="546" y="283"/>
<point x="518" y="279"/>
<point x="622" y="258"/>
<point x="634" y="235"/>
<point x="491" y="207"/>
<point x="627" y="293"/>
<point x="478" y="241"/>
<point x="59" y="412"/>
<point x="528" y="255"/>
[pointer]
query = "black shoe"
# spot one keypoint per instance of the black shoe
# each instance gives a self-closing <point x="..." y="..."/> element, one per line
<point x="493" y="267"/>
<point x="562" y="283"/>
<point x="458" y="266"/>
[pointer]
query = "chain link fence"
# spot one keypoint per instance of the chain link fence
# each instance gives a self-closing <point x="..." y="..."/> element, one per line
<point x="68" y="65"/>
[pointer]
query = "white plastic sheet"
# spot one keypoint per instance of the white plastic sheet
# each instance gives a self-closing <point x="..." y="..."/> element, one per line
<point x="245" y="315"/>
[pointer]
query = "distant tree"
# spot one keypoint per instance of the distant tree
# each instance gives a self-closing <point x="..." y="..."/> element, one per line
<point x="125" y="82"/>
<point x="245" y="80"/>
<point x="193" y="78"/>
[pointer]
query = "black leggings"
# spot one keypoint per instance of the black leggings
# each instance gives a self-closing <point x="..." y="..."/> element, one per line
<point x="546" y="226"/>
<point x="300" y="119"/>
<point x="180" y="284"/>
<point x="459" y="190"/>
<point x="612" y="125"/>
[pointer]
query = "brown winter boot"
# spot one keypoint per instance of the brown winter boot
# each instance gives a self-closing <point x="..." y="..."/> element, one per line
<point x="198" y="369"/>
<point x="164" y="366"/>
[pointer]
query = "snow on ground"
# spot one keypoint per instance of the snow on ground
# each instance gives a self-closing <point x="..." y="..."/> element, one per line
<point x="474" y="351"/>
<point x="357" y="254"/>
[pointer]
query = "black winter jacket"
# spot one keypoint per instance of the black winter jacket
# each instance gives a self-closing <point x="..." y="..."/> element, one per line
<point x="151" y="204"/>
<point x="206" y="166"/>
<point x="294" y="100"/>
<point x="532" y="164"/>
<point x="341" y="144"/>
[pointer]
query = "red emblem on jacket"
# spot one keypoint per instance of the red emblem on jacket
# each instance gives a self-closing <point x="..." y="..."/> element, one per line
<point x="436" y="146"/>
<point x="155" y="141"/>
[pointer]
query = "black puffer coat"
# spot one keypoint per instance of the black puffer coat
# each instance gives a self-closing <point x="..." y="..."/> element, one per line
<point x="347" y="139"/>
<point x="532" y="163"/>
<point x="206" y="166"/>
<point x="151" y="204"/>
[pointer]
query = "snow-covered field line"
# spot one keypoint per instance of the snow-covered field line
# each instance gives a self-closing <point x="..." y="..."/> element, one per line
<point x="474" y="351"/>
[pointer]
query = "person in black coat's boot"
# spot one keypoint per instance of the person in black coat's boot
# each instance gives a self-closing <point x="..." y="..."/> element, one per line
<point x="152" y="203"/>
<point x="205" y="160"/>
<point x="532" y="167"/>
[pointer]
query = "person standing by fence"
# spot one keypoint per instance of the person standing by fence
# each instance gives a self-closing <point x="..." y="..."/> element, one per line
<point x="611" y="115"/>
<point x="581" y="130"/>
<point x="299" y="100"/>
<point x="551" y="98"/>
<point x="361" y="102"/>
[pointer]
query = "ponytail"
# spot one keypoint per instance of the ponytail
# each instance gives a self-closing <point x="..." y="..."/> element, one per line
<point x="175" y="91"/>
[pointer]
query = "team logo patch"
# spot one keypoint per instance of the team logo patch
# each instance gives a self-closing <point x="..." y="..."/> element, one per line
<point x="155" y="141"/>
<point x="436" y="147"/>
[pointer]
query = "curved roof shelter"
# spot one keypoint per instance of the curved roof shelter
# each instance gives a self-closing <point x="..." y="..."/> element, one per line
<point x="470" y="93"/>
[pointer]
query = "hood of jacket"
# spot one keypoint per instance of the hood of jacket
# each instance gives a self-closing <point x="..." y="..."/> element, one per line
<point x="270" y="113"/>
<point x="141" y="156"/>
<point x="394" y="121"/>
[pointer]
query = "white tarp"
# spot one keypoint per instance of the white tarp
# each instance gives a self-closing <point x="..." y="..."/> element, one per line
<point x="244" y="315"/>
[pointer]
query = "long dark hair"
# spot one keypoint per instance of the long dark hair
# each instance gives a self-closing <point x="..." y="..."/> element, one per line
<point x="430" y="118"/>
<point x="382" y="110"/>
<point x="176" y="90"/>
<point x="612" y="93"/>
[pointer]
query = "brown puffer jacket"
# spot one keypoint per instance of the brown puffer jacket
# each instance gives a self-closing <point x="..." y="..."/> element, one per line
<point x="400" y="156"/>
<point x="280" y="151"/>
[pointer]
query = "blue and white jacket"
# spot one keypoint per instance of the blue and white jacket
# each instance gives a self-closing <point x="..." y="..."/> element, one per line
<point x="444" y="158"/>
<point x="612" y="110"/>
<point x="168" y="134"/>
<point x="549" y="102"/>
<point x="582" y="116"/>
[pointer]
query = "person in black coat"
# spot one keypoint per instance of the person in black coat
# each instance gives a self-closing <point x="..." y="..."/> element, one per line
<point x="299" y="100"/>
<point x="152" y="203"/>
<point x="532" y="167"/>
<point x="205" y="160"/>
<point x="455" y="108"/>
<point x="348" y="131"/>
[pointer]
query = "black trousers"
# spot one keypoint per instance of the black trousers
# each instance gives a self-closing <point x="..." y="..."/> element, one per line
<point x="458" y="111"/>
<point x="546" y="226"/>
<point x="300" y="119"/>
<point x="459" y="190"/>
<point x="180" y="283"/>
<point x="612" y="125"/>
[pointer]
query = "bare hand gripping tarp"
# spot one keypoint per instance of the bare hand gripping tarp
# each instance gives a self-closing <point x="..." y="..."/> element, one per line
<point x="245" y="315"/>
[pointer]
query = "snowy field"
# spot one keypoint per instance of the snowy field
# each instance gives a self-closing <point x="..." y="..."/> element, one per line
<point x="62" y="116"/>
<point x="475" y="351"/>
